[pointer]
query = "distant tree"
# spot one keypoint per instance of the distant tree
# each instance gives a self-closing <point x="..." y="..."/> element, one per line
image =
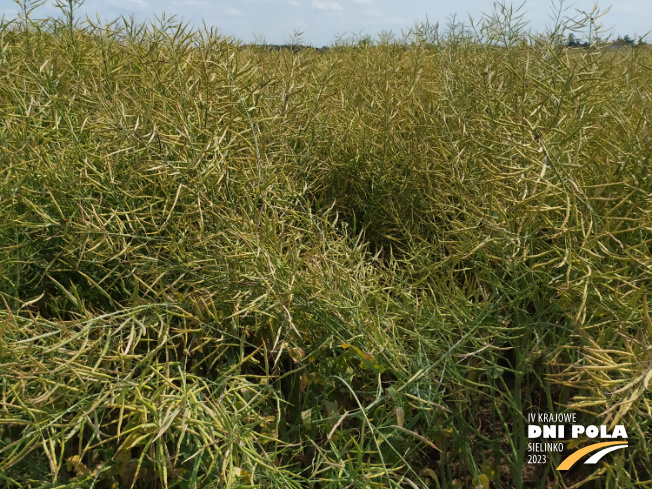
<point x="572" y="41"/>
<point x="365" y="41"/>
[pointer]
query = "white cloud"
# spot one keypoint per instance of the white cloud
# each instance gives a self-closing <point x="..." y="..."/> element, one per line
<point x="326" y="6"/>
<point x="191" y="3"/>
<point x="233" y="12"/>
<point x="294" y="3"/>
<point x="364" y="2"/>
<point x="135" y="5"/>
<point x="371" y="13"/>
<point x="628" y="9"/>
<point x="141" y="4"/>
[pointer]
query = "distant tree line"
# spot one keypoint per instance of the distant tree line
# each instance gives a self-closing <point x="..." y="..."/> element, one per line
<point x="572" y="42"/>
<point x="626" y="41"/>
<point x="290" y="47"/>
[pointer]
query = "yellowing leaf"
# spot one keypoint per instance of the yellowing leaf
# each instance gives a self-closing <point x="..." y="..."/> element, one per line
<point x="431" y="473"/>
<point x="306" y="417"/>
<point x="246" y="476"/>
<point x="75" y="464"/>
<point x="481" y="482"/>
<point x="296" y="354"/>
<point x="400" y="417"/>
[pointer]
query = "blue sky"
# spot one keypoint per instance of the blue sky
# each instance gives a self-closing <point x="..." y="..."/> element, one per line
<point x="321" y="21"/>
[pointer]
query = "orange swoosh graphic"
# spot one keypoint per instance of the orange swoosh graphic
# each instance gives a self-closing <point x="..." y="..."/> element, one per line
<point x="571" y="459"/>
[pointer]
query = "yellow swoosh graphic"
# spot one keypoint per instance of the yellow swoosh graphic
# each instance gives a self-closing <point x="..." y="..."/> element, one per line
<point x="571" y="459"/>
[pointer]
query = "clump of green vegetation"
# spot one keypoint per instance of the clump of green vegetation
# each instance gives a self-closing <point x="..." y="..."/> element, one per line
<point x="229" y="266"/>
